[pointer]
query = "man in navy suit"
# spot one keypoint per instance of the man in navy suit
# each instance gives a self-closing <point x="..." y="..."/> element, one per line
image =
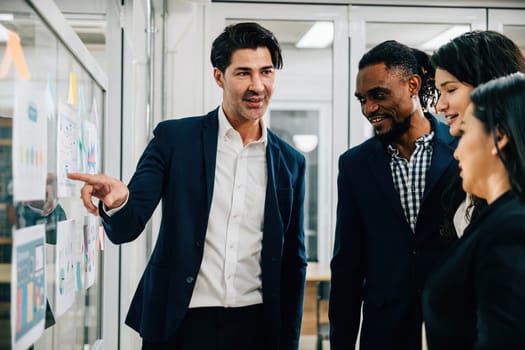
<point x="388" y="232"/>
<point x="228" y="268"/>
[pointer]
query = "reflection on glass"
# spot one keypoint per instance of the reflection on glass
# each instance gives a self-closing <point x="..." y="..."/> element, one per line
<point x="423" y="36"/>
<point x="49" y="64"/>
<point x="300" y="129"/>
<point x="300" y="113"/>
<point x="517" y="34"/>
<point x="319" y="36"/>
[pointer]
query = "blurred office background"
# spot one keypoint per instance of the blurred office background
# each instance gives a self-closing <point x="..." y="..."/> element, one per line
<point x="146" y="61"/>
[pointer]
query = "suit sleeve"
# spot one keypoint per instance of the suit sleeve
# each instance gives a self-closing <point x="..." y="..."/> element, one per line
<point x="500" y="293"/>
<point x="293" y="268"/>
<point x="145" y="190"/>
<point x="347" y="266"/>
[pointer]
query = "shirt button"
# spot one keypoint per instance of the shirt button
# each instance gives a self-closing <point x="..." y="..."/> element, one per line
<point x="189" y="279"/>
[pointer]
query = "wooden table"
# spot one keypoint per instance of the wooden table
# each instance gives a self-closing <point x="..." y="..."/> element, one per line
<point x="5" y="273"/>
<point x="315" y="273"/>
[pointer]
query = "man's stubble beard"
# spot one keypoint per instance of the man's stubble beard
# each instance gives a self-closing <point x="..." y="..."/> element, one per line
<point x="398" y="129"/>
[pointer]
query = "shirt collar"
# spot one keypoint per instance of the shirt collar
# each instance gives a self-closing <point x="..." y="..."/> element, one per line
<point x="425" y="141"/>
<point x="225" y="127"/>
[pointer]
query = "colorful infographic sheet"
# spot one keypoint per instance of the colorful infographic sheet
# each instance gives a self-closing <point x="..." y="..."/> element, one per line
<point x="90" y="147"/>
<point x="28" y="286"/>
<point x="65" y="266"/>
<point x="89" y="251"/>
<point x="29" y="142"/>
<point x="68" y="150"/>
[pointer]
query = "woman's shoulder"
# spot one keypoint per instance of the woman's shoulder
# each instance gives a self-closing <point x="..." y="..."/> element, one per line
<point x="502" y="225"/>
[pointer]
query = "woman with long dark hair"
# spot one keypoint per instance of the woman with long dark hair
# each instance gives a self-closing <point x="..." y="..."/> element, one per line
<point x="476" y="299"/>
<point x="462" y="64"/>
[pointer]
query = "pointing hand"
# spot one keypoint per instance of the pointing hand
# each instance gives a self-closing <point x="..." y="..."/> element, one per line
<point x="112" y="192"/>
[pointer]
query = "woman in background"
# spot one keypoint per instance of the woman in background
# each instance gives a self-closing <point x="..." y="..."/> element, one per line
<point x="476" y="299"/>
<point x="462" y="64"/>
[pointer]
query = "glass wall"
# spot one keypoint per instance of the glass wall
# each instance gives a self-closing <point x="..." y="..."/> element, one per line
<point x="509" y="22"/>
<point x="51" y="121"/>
<point x="423" y="28"/>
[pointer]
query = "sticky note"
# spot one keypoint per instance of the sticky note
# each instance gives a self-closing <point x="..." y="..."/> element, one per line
<point x="72" y="93"/>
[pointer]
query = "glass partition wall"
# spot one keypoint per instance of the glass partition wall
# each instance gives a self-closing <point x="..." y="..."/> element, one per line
<point x="43" y="81"/>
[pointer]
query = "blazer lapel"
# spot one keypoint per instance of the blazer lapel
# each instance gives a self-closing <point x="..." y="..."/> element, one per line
<point x="444" y="145"/>
<point x="379" y="164"/>
<point x="210" y="130"/>
<point x="273" y="224"/>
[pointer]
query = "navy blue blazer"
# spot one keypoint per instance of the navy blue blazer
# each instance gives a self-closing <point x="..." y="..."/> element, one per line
<point x="178" y="166"/>
<point x="476" y="300"/>
<point x="378" y="260"/>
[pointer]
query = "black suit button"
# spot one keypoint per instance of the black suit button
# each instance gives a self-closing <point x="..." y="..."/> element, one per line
<point x="198" y="243"/>
<point x="419" y="292"/>
<point x="415" y="252"/>
<point x="189" y="279"/>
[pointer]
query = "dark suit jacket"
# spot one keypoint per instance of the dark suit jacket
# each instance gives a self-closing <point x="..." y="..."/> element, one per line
<point x="476" y="300"/>
<point x="378" y="260"/>
<point x="178" y="166"/>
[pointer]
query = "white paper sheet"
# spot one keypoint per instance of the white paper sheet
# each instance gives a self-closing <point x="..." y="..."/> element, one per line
<point x="29" y="142"/>
<point x="65" y="266"/>
<point x="90" y="147"/>
<point x="68" y="150"/>
<point x="89" y="251"/>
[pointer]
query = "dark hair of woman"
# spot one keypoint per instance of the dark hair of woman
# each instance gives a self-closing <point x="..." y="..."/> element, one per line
<point x="479" y="56"/>
<point x="500" y="105"/>
<point x="474" y="58"/>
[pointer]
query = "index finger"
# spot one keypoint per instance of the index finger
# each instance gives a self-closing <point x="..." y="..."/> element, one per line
<point x="88" y="178"/>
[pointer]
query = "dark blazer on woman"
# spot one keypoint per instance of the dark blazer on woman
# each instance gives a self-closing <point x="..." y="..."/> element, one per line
<point x="178" y="167"/>
<point x="476" y="300"/>
<point x="379" y="262"/>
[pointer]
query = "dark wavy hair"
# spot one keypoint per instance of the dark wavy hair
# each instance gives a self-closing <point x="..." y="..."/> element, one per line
<point x="247" y="35"/>
<point x="409" y="61"/>
<point x="500" y="105"/>
<point x="474" y="58"/>
<point x="479" y="56"/>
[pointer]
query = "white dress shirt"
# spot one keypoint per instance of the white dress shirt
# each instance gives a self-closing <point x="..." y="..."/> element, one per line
<point x="460" y="217"/>
<point x="230" y="273"/>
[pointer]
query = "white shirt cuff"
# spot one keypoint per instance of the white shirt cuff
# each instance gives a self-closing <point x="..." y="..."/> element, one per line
<point x="111" y="212"/>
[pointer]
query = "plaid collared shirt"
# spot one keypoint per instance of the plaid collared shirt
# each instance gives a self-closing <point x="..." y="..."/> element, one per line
<point x="409" y="176"/>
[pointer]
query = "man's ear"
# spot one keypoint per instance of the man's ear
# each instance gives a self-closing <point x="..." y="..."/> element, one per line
<point x="218" y="76"/>
<point x="414" y="84"/>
